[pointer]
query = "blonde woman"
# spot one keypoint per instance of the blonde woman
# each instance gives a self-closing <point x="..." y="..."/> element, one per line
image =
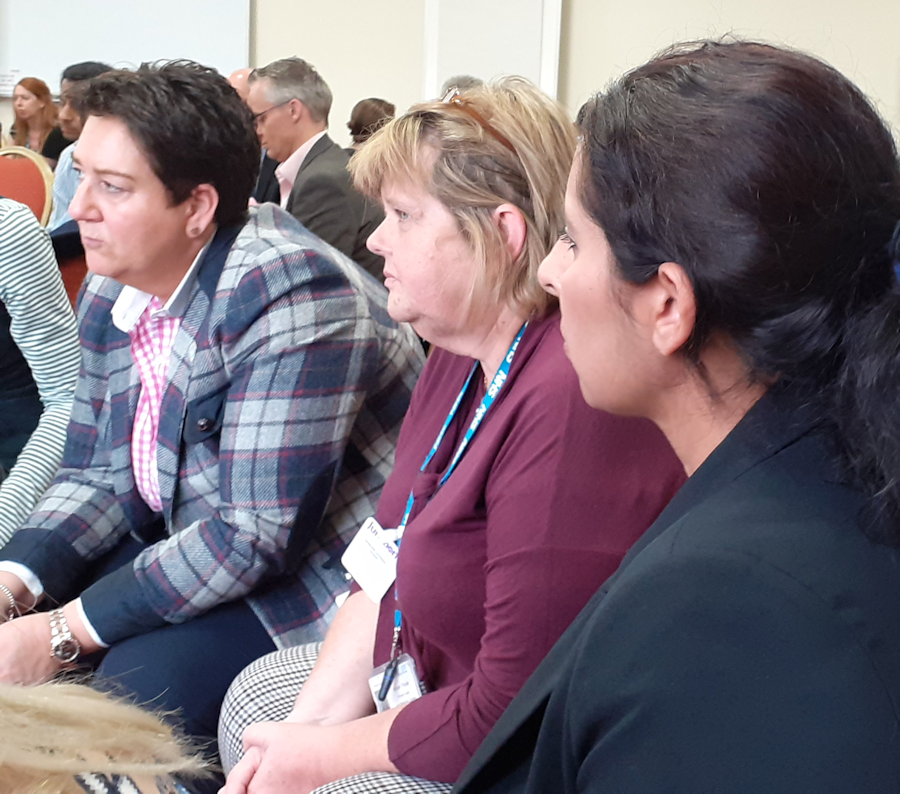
<point x="68" y="739"/>
<point x="500" y="476"/>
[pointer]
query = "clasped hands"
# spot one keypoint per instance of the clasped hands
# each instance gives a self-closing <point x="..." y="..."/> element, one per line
<point x="285" y="758"/>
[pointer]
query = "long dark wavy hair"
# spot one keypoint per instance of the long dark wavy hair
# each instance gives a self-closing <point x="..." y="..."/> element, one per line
<point x="772" y="180"/>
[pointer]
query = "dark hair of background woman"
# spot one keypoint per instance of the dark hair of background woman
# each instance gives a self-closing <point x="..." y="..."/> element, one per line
<point x="368" y="116"/>
<point x="775" y="184"/>
<point x="193" y="128"/>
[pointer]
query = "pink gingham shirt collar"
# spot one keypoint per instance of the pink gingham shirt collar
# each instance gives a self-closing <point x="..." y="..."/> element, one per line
<point x="152" y="327"/>
<point x="132" y="302"/>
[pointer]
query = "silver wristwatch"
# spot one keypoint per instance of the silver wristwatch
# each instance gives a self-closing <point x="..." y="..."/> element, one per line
<point x="63" y="645"/>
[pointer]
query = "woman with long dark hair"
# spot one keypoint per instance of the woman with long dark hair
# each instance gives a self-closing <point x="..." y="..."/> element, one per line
<point x="727" y="270"/>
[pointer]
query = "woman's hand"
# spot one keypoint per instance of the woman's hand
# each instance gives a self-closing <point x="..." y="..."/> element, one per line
<point x="25" y="656"/>
<point x="282" y="758"/>
<point x="293" y="758"/>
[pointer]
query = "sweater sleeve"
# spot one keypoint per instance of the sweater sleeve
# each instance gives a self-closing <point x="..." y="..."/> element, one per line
<point x="560" y="516"/>
<point x="42" y="325"/>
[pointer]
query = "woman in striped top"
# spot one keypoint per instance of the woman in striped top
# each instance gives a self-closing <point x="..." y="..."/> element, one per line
<point x="39" y="360"/>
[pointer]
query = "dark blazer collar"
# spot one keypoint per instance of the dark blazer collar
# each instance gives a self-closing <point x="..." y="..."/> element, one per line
<point x="322" y="145"/>
<point x="775" y="422"/>
<point x="214" y="261"/>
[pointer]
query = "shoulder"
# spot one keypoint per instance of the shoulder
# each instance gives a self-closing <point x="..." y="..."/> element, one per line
<point x="326" y="165"/>
<point x="21" y="236"/>
<point x="65" y="164"/>
<point x="275" y="259"/>
<point x="15" y="216"/>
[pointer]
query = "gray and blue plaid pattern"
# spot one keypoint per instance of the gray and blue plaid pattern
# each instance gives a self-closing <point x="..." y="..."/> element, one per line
<point x="286" y="389"/>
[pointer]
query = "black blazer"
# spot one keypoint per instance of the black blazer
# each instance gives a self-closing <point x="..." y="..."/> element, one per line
<point x="324" y="200"/>
<point x="750" y="642"/>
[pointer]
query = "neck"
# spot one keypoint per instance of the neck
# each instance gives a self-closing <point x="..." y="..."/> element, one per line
<point x="306" y="133"/>
<point x="494" y="344"/>
<point x="696" y="415"/>
<point x="167" y="285"/>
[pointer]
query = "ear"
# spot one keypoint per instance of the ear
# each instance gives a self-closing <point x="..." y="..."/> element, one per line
<point x="673" y="308"/>
<point x="511" y="223"/>
<point x="201" y="209"/>
<point x="297" y="109"/>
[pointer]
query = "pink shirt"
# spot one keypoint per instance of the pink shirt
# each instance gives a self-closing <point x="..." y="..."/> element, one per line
<point x="152" y="328"/>
<point x="152" y="339"/>
<point x="286" y="172"/>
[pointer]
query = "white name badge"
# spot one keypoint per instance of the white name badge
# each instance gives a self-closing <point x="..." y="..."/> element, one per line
<point x="371" y="559"/>
<point x="405" y="686"/>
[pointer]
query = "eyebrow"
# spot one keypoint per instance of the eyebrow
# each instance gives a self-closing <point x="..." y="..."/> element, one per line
<point x="106" y="171"/>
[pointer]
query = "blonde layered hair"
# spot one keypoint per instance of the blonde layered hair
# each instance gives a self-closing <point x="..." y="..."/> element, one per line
<point x="504" y="142"/>
<point x="52" y="732"/>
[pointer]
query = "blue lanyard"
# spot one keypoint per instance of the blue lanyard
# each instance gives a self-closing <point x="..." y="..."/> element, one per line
<point x="487" y="401"/>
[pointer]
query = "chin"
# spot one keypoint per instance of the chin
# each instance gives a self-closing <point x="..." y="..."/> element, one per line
<point x="101" y="265"/>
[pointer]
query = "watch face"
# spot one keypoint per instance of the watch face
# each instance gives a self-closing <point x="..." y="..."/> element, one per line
<point x="67" y="650"/>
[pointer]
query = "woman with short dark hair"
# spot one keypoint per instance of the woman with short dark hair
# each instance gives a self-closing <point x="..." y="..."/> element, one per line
<point x="727" y="271"/>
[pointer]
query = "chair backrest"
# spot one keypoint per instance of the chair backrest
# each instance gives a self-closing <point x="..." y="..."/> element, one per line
<point x="25" y="177"/>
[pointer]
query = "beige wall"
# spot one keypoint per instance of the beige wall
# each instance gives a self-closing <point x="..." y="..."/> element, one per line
<point x="375" y="47"/>
<point x="362" y="48"/>
<point x="603" y="38"/>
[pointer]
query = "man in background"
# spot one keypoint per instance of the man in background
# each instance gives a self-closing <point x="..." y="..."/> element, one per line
<point x="267" y="183"/>
<point x="290" y="103"/>
<point x="71" y="122"/>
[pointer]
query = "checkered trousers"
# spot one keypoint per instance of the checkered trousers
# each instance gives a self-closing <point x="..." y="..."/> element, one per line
<point x="266" y="691"/>
<point x="119" y="784"/>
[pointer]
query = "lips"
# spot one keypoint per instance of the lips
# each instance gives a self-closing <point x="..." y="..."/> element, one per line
<point x="91" y="242"/>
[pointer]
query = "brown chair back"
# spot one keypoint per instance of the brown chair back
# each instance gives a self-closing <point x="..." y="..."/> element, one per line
<point x="25" y="177"/>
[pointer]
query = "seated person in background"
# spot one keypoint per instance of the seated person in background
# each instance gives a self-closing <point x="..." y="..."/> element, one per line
<point x="267" y="188"/>
<point x="240" y="398"/>
<point x="35" y="120"/>
<point x="39" y="359"/>
<point x="461" y="82"/>
<point x="738" y="289"/>
<point x="290" y="103"/>
<point x="367" y="117"/>
<point x="502" y="546"/>
<point x="71" y="120"/>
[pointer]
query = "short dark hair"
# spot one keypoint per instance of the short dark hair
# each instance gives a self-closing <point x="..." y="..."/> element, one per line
<point x="86" y="70"/>
<point x="772" y="180"/>
<point x="192" y="126"/>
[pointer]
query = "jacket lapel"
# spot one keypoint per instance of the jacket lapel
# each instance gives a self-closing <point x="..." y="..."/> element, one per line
<point x="322" y="145"/>
<point x="192" y="332"/>
<point x="764" y="431"/>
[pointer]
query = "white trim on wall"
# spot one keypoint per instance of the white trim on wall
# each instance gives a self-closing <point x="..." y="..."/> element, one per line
<point x="493" y="39"/>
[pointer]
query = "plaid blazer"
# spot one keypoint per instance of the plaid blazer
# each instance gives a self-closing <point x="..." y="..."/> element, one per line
<point x="286" y="389"/>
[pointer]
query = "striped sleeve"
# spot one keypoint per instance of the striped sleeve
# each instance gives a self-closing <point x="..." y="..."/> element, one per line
<point x="44" y="329"/>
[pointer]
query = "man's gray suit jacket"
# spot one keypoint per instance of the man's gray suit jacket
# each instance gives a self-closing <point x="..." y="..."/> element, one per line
<point x="324" y="200"/>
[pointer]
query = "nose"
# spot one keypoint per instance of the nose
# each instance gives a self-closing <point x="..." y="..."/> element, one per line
<point x="81" y="208"/>
<point x="552" y="268"/>
<point x="375" y="243"/>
